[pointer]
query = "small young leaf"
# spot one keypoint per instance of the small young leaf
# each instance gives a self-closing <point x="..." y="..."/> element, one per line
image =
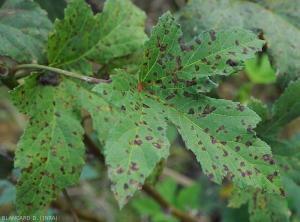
<point x="24" y="28"/>
<point x="50" y="152"/>
<point x="278" y="24"/>
<point x="80" y="36"/>
<point x="268" y="207"/>
<point x="219" y="132"/>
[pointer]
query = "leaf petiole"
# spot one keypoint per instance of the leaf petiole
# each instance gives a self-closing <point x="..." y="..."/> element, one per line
<point x="60" y="71"/>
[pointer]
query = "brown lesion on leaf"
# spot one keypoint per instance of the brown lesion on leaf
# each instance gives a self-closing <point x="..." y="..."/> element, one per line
<point x="225" y="153"/>
<point x="231" y="53"/>
<point x="134" y="166"/>
<point x="120" y="170"/>
<point x="149" y="137"/>
<point x="270" y="177"/>
<point x="157" y="145"/>
<point x="239" y="138"/>
<point x="125" y="186"/>
<point x="211" y="176"/>
<point x="231" y="62"/>
<point x="213" y="140"/>
<point x="191" y="111"/>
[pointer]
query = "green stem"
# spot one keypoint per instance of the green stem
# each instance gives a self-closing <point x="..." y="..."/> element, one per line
<point x="60" y="71"/>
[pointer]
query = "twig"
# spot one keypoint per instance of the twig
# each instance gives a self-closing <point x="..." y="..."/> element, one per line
<point x="46" y="209"/>
<point x="180" y="178"/>
<point x="93" y="147"/>
<point x="81" y="213"/>
<point x="76" y="219"/>
<point x="160" y="200"/>
<point x="60" y="71"/>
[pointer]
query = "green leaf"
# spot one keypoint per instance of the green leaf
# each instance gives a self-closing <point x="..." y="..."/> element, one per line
<point x="6" y="167"/>
<point x="50" y="152"/>
<point x="219" y="132"/>
<point x="285" y="109"/>
<point x="24" y="28"/>
<point x="278" y="20"/>
<point x="54" y="9"/>
<point x="259" y="70"/>
<point x="81" y="37"/>
<point x="262" y="207"/>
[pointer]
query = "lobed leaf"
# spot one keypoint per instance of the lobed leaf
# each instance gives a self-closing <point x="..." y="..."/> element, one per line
<point x="50" y="152"/>
<point x="81" y="37"/>
<point x="279" y="22"/>
<point x="24" y="27"/>
<point x="219" y="132"/>
<point x="267" y="206"/>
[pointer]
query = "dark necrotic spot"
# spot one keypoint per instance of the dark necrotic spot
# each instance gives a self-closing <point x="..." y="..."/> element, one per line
<point x="231" y="62"/>
<point x="240" y="107"/>
<point x="212" y="34"/>
<point x="237" y="42"/>
<point x="134" y="166"/>
<point x="104" y="92"/>
<point x="213" y="140"/>
<point x="211" y="176"/>
<point x="197" y="68"/>
<point x="270" y="177"/>
<point x="57" y="114"/>
<point x="159" y="128"/>
<point x="245" y="50"/>
<point x="191" y="111"/>
<point x="249" y="128"/>
<point x="138" y="142"/>
<point x="48" y="79"/>
<point x="242" y="164"/>
<point x="206" y="130"/>
<point x="126" y="186"/>
<point x="282" y="193"/>
<point x="170" y="96"/>
<point x="238" y="138"/>
<point x="120" y="170"/>
<point x="266" y="157"/>
<point x="197" y="40"/>
<point x="186" y="94"/>
<point x="218" y="57"/>
<point x="248" y="143"/>
<point x="157" y="145"/>
<point x="149" y="137"/>
<point x="237" y="148"/>
<point x="158" y="81"/>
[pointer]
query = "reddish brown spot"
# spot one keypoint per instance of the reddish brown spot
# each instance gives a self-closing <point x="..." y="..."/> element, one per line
<point x="211" y="176"/>
<point x="149" y="137"/>
<point x="138" y="142"/>
<point x="157" y="145"/>
<point x="231" y="62"/>
<point x="134" y="166"/>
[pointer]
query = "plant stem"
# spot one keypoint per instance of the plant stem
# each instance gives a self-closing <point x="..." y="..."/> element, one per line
<point x="70" y="205"/>
<point x="60" y="71"/>
<point x="173" y="210"/>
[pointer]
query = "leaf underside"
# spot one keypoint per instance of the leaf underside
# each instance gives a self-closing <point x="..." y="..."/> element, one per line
<point x="171" y="78"/>
<point x="279" y="22"/>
